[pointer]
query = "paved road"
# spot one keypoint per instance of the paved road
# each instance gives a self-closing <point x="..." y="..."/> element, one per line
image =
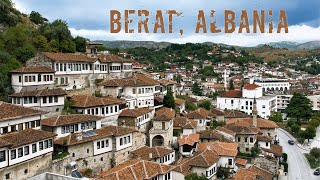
<point x="299" y="168"/>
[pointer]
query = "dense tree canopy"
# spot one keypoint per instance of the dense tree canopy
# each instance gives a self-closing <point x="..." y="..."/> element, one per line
<point x="168" y="100"/>
<point x="36" y="18"/>
<point x="299" y="107"/>
<point x="196" y="89"/>
<point x="21" y="40"/>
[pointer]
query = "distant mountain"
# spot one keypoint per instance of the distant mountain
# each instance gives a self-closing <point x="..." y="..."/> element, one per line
<point x="309" y="45"/>
<point x="133" y="44"/>
<point x="293" y="45"/>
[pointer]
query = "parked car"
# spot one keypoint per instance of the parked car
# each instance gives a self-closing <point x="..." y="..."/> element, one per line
<point x="317" y="172"/>
<point x="291" y="142"/>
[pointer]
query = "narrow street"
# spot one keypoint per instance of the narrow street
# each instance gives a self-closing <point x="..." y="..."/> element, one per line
<point x="299" y="168"/>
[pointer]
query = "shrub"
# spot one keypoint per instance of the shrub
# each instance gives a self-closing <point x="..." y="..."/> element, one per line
<point x="285" y="165"/>
<point x="315" y="152"/>
<point x="285" y="157"/>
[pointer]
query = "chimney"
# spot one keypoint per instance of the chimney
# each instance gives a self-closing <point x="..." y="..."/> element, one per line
<point x="150" y="155"/>
<point x="254" y="113"/>
<point x="79" y="136"/>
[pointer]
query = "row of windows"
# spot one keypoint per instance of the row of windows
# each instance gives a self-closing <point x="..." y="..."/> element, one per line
<point x="143" y="90"/>
<point x="63" y="80"/>
<point x="19" y="127"/>
<point x="29" y="79"/>
<point x="33" y="78"/>
<point x="127" y="67"/>
<point x="144" y="117"/>
<point x="115" y="68"/>
<point x="210" y="172"/>
<point x="165" y="158"/>
<point x="284" y="84"/>
<point x="125" y="140"/>
<point x="50" y="99"/>
<point x="145" y="102"/>
<point x="102" y="144"/>
<point x="246" y="139"/>
<point x="26" y="151"/>
<point x="104" y="110"/>
<point x="69" y="129"/>
<point x="73" y="67"/>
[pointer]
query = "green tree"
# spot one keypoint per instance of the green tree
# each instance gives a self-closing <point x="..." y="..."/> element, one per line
<point x="299" y="107"/>
<point x="309" y="133"/>
<point x="168" y="100"/>
<point x="231" y="85"/>
<point x="25" y="53"/>
<point x="41" y="43"/>
<point x="8" y="15"/>
<point x="16" y="37"/>
<point x="196" y="90"/>
<point x="54" y="46"/>
<point x="36" y="18"/>
<point x="205" y="104"/>
<point x="190" y="106"/>
<point x="295" y="128"/>
<point x="177" y="77"/>
<point x="315" y="152"/>
<point x="80" y="44"/>
<point x="276" y="117"/>
<point x="195" y="176"/>
<point x="67" y="46"/>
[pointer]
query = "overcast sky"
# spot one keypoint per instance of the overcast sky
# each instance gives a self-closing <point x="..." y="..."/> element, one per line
<point x="90" y="18"/>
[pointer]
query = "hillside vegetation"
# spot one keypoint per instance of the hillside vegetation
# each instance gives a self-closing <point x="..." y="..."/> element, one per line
<point x="22" y="36"/>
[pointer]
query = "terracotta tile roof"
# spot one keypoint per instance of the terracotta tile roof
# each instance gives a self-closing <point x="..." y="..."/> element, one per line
<point x="179" y="102"/>
<point x="235" y="114"/>
<point x="184" y="123"/>
<point x="83" y="101"/>
<point x="263" y="174"/>
<point x="40" y="93"/>
<point x="221" y="148"/>
<point x="241" y="161"/>
<point x="232" y="94"/>
<point x="136" y="79"/>
<point x="261" y="123"/>
<point x="274" y="149"/>
<point x="213" y="135"/>
<point x="167" y="82"/>
<point x="205" y="158"/>
<point x="135" y="112"/>
<point x="264" y="138"/>
<point x="69" y="119"/>
<point x="68" y="57"/>
<point x="11" y="111"/>
<point x="159" y="99"/>
<point x="33" y="69"/>
<point x="189" y="139"/>
<point x="164" y="114"/>
<point x="245" y="174"/>
<point x="251" y="86"/>
<point x="301" y="91"/>
<point x="238" y="129"/>
<point x="155" y="152"/>
<point x="20" y="138"/>
<point x="109" y="58"/>
<point x="191" y="99"/>
<point x="103" y="132"/>
<point x="216" y="112"/>
<point x="226" y="130"/>
<point x="199" y="113"/>
<point x="136" y="169"/>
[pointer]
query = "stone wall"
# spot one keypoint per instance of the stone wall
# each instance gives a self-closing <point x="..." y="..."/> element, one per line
<point x="267" y="163"/>
<point x="28" y="168"/>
